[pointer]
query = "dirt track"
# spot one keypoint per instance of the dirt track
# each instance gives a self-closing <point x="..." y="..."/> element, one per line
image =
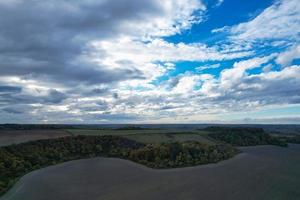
<point x="265" y="172"/>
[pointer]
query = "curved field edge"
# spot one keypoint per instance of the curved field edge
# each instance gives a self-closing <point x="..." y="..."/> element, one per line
<point x="18" y="160"/>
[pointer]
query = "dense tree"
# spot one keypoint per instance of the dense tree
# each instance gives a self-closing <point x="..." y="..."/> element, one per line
<point x="243" y="136"/>
<point x="181" y="154"/>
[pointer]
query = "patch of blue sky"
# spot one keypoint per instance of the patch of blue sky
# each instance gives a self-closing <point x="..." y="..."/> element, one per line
<point x="256" y="70"/>
<point x="214" y="68"/>
<point x="197" y="87"/>
<point x="296" y="62"/>
<point x="267" y="47"/>
<point x="194" y="67"/>
<point x="269" y="66"/>
<point x="229" y="13"/>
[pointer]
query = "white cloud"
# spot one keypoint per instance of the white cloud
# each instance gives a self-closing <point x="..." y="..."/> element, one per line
<point x="186" y="84"/>
<point x="165" y="18"/>
<point x="160" y="50"/>
<point x="144" y="56"/>
<point x="279" y="21"/>
<point x="286" y="58"/>
<point x="184" y="102"/>
<point x="230" y="78"/>
<point x="204" y="67"/>
<point x="219" y="2"/>
<point x="177" y="16"/>
<point x="219" y="30"/>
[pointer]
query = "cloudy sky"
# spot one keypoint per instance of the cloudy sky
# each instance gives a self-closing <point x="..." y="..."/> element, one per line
<point x="149" y="61"/>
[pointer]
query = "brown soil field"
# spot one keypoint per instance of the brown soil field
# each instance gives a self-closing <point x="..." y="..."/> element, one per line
<point x="8" y="137"/>
<point x="259" y="173"/>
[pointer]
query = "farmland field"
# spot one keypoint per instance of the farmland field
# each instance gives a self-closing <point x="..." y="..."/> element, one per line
<point x="149" y="135"/>
<point x="8" y="137"/>
<point x="124" y="132"/>
<point x="260" y="173"/>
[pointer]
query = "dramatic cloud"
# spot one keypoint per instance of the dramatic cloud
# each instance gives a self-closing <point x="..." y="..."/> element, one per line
<point x="50" y="40"/>
<point x="101" y="61"/>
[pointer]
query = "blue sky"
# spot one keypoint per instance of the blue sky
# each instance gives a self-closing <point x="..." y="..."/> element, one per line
<point x="150" y="61"/>
<point x="228" y="13"/>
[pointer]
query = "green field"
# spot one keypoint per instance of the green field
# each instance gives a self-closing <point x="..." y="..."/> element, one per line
<point x="150" y="136"/>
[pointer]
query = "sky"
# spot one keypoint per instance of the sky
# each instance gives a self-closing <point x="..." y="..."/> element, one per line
<point x="150" y="61"/>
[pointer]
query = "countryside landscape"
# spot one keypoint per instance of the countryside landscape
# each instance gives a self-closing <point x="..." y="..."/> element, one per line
<point x="150" y="100"/>
<point x="155" y="160"/>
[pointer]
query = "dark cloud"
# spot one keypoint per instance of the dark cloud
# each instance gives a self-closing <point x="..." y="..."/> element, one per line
<point x="115" y="95"/>
<point x="43" y="40"/>
<point x="55" y="97"/>
<point x="13" y="99"/>
<point x="99" y="91"/>
<point x="10" y="89"/>
<point x="52" y="97"/>
<point x="102" y="105"/>
<point x="172" y="82"/>
<point x="168" y="107"/>
<point x="12" y="110"/>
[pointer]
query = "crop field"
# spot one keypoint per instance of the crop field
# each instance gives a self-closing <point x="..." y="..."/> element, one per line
<point x="123" y="132"/>
<point x="260" y="173"/>
<point x="149" y="135"/>
<point x="141" y="135"/>
<point x="8" y="137"/>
